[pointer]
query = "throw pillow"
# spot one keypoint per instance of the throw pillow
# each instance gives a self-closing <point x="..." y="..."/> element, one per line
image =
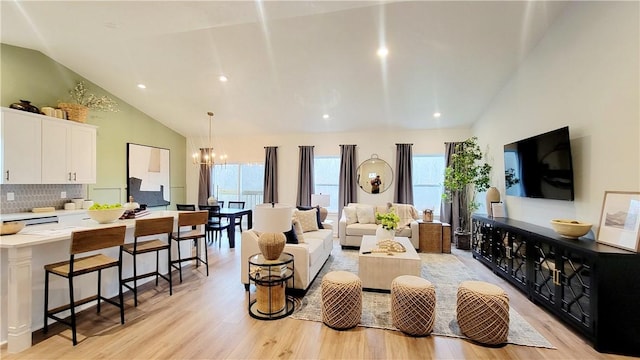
<point x="366" y="214"/>
<point x="350" y="214"/>
<point x="291" y="236"/>
<point x="319" y="218"/>
<point x="308" y="219"/>
<point x="298" y="229"/>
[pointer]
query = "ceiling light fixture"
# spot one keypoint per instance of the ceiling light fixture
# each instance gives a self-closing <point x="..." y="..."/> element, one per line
<point x="223" y="78"/>
<point x="325" y="116"/>
<point x="436" y="114"/>
<point x="142" y="86"/>
<point x="207" y="156"/>
<point x="383" y="52"/>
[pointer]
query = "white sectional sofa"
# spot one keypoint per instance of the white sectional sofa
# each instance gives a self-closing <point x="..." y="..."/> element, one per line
<point x="356" y="220"/>
<point x="308" y="257"/>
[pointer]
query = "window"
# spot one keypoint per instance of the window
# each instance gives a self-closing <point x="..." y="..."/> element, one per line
<point x="233" y="182"/>
<point x="428" y="176"/>
<point x="326" y="176"/>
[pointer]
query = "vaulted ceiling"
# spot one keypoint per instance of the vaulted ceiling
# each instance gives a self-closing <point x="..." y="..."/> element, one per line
<point x="288" y="63"/>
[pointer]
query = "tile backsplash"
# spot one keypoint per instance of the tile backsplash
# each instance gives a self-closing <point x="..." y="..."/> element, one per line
<point x="27" y="197"/>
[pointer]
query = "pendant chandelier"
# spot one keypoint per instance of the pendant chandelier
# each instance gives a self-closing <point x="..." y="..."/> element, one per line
<point x="207" y="156"/>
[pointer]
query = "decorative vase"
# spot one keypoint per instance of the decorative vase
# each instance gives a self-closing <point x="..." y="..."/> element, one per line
<point x="271" y="245"/>
<point x="384" y="234"/>
<point x="212" y="201"/>
<point x="493" y="195"/>
<point x="25" y="105"/>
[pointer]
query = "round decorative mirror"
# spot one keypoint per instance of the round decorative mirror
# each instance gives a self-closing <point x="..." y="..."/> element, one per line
<point x="374" y="175"/>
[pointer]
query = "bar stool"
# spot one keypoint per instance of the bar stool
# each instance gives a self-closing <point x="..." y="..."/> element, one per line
<point x="81" y="242"/>
<point x="148" y="227"/>
<point x="192" y="220"/>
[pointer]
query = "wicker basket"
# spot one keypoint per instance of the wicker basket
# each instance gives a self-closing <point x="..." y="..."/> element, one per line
<point x="75" y="112"/>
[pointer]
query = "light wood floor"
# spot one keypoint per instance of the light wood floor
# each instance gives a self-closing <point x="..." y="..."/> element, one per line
<point x="206" y="318"/>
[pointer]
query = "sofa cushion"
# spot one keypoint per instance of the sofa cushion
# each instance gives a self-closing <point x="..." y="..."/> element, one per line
<point x="291" y="236"/>
<point x="318" y="215"/>
<point x="298" y="230"/>
<point x="366" y="214"/>
<point x="316" y="250"/>
<point x="308" y="219"/>
<point x="350" y="214"/>
<point x="361" y="229"/>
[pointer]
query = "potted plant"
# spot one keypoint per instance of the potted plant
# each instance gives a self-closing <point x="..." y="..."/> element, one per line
<point x="388" y="224"/>
<point x="463" y="179"/>
<point x="84" y="101"/>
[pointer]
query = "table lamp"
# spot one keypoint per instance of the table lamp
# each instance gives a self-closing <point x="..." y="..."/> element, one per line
<point x="272" y="220"/>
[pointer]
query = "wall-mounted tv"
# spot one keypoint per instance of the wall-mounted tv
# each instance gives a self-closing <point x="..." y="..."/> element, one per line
<point x="540" y="166"/>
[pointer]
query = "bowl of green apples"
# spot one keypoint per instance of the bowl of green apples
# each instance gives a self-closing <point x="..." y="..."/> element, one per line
<point x="105" y="213"/>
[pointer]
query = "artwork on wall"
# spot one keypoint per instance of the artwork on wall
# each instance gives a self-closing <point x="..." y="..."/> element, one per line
<point x="620" y="220"/>
<point x="148" y="175"/>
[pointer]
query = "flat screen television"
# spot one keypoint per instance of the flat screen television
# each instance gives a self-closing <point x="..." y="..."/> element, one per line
<point x="540" y="166"/>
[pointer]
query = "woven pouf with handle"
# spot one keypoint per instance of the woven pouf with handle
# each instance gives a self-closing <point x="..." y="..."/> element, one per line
<point x="341" y="300"/>
<point x="483" y="312"/>
<point x="413" y="305"/>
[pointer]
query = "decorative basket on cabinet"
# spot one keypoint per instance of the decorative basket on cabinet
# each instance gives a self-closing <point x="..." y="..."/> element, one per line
<point x="75" y="112"/>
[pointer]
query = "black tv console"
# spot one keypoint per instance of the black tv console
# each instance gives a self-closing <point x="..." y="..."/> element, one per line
<point x="593" y="287"/>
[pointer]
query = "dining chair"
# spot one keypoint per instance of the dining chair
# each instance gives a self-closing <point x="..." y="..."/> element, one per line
<point x="237" y="205"/>
<point x="191" y="228"/>
<point x="221" y="203"/>
<point x="185" y="207"/>
<point x="143" y="229"/>
<point x="84" y="241"/>
<point x="216" y="225"/>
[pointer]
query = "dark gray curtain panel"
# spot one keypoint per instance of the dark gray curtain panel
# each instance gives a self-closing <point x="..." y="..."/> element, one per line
<point x="270" y="189"/>
<point x="404" y="172"/>
<point x="449" y="208"/>
<point x="204" y="185"/>
<point x="348" y="182"/>
<point x="305" y="176"/>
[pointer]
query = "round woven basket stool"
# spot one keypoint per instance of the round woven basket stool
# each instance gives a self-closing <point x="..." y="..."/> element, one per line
<point x="483" y="312"/>
<point x="413" y="305"/>
<point x="341" y="300"/>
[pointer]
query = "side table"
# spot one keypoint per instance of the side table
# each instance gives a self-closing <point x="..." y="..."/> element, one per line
<point x="430" y="236"/>
<point x="270" y="277"/>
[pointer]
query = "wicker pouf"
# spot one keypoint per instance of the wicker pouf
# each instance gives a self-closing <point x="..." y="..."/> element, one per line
<point x="341" y="299"/>
<point x="413" y="305"/>
<point x="483" y="312"/>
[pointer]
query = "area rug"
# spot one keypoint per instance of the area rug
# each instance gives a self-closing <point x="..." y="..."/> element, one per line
<point x="444" y="271"/>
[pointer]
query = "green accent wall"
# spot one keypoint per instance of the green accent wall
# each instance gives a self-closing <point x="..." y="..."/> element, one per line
<point x="30" y="75"/>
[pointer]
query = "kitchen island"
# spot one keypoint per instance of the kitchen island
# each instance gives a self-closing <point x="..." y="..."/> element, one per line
<point x="23" y="256"/>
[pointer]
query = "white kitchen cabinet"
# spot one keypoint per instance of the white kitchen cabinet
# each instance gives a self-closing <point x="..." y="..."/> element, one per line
<point x="68" y="152"/>
<point x="20" y="147"/>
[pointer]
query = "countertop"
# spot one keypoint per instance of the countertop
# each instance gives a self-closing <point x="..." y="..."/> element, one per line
<point x="32" y="215"/>
<point x="46" y="233"/>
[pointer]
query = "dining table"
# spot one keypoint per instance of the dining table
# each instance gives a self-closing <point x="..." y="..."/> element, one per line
<point x="231" y="214"/>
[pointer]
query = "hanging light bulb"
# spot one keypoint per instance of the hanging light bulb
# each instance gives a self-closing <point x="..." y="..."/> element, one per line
<point x="206" y="156"/>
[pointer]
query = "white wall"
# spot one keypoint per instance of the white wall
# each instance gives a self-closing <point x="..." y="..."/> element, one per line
<point x="251" y="149"/>
<point x="585" y="74"/>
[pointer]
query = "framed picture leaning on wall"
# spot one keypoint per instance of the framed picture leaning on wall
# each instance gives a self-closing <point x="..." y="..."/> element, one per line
<point x="148" y="175"/>
<point x="620" y="220"/>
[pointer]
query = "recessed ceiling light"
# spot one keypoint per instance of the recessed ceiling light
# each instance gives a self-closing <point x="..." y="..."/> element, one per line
<point x="223" y="78"/>
<point x="142" y="86"/>
<point x="325" y="116"/>
<point x="383" y="52"/>
<point x="436" y="114"/>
